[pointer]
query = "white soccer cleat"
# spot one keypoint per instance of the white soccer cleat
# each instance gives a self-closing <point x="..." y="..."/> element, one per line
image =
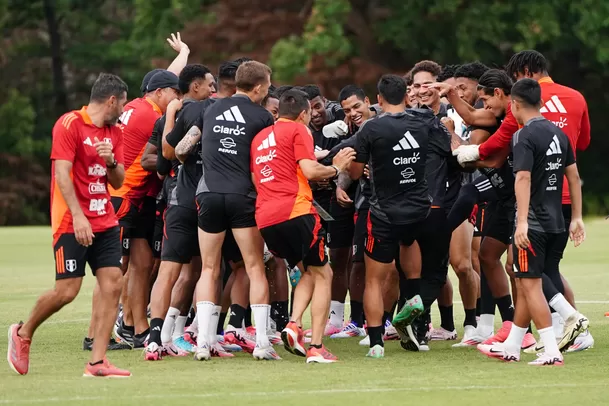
<point x="203" y="353"/>
<point x="498" y="351"/>
<point x="574" y="326"/>
<point x="441" y="334"/>
<point x="470" y="338"/>
<point x="265" y="353"/>
<point x="548" y="360"/>
<point x="365" y="341"/>
<point x="350" y="330"/>
<point x="583" y="342"/>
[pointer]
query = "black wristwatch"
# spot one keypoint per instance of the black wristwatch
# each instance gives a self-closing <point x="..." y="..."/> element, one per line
<point x="113" y="165"/>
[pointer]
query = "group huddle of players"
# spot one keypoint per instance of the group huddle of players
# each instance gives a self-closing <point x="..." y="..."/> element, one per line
<point x="224" y="190"/>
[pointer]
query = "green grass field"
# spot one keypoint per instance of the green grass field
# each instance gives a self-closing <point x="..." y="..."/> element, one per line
<point x="443" y="375"/>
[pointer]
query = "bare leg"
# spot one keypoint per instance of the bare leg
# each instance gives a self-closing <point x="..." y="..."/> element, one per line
<point x="110" y="286"/>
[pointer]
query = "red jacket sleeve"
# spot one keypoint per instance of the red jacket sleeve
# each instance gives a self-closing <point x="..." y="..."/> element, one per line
<point x="500" y="141"/>
<point x="583" y="141"/>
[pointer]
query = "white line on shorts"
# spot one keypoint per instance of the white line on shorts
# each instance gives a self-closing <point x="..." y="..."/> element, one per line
<point x="124" y="396"/>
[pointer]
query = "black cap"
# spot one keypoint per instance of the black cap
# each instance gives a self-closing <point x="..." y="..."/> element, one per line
<point x="162" y="80"/>
<point x="147" y="79"/>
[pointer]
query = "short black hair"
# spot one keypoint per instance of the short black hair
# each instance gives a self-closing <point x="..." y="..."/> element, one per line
<point x="527" y="91"/>
<point x="282" y="89"/>
<point x="472" y="70"/>
<point x="189" y="74"/>
<point x="408" y="77"/>
<point x="426" y="66"/>
<point x="392" y="88"/>
<point x="351" y="90"/>
<point x="239" y="61"/>
<point x="448" y="71"/>
<point x="312" y="91"/>
<point x="107" y="85"/>
<point x="495" y="78"/>
<point x="270" y="95"/>
<point x="292" y="103"/>
<point x="534" y="61"/>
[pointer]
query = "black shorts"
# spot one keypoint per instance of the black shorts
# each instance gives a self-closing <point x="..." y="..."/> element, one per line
<point x="360" y="234"/>
<point x="298" y="239"/>
<point x="477" y="219"/>
<point x="145" y="221"/>
<point x="126" y="213"/>
<point x="219" y="212"/>
<point x="384" y="238"/>
<point x="230" y="249"/>
<point x="340" y="231"/>
<point x="500" y="225"/>
<point x="533" y="261"/>
<point x="71" y="258"/>
<point x="180" y="236"/>
<point x="159" y="225"/>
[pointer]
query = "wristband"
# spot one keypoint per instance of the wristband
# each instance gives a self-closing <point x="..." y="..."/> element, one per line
<point x="113" y="165"/>
<point x="337" y="170"/>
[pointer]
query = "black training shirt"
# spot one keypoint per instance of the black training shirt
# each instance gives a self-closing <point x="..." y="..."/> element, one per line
<point x="190" y="172"/>
<point x="321" y="143"/>
<point x="395" y="146"/>
<point x="544" y="150"/>
<point x="229" y="126"/>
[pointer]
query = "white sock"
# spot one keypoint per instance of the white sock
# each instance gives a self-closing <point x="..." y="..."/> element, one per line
<point x="178" y="330"/>
<point x="213" y="326"/>
<point x="514" y="341"/>
<point x="168" y="325"/>
<point x="549" y="341"/>
<point x="194" y="326"/>
<point x="486" y="325"/>
<point x="204" y="312"/>
<point x="562" y="307"/>
<point x="337" y="313"/>
<point x="261" y="319"/>
<point x="558" y="324"/>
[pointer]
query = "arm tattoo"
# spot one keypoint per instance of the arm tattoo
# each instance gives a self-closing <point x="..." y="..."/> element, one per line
<point x="188" y="142"/>
<point x="343" y="181"/>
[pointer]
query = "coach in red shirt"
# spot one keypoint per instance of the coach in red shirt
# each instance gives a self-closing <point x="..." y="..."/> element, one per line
<point x="87" y="156"/>
<point x="282" y="164"/>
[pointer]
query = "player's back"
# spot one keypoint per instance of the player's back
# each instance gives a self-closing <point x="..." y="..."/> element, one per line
<point x="229" y="126"/>
<point x="283" y="191"/>
<point x="137" y="123"/>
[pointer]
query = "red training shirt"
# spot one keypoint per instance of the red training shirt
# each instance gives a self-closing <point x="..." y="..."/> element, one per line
<point x="73" y="140"/>
<point x="283" y="191"/>
<point x="137" y="122"/>
<point x="563" y="106"/>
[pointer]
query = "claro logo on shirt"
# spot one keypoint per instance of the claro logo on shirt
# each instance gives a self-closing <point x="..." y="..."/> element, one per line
<point x="266" y="158"/>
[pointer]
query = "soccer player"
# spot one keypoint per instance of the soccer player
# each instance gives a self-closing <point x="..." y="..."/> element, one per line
<point x="271" y="103"/>
<point x="226" y="200"/>
<point x="86" y="155"/>
<point x="396" y="145"/>
<point x="137" y="123"/>
<point x="180" y="236"/>
<point x="287" y="219"/>
<point x="542" y="157"/>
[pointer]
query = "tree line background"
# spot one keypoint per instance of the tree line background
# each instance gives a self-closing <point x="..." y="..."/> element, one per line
<point x="52" y="51"/>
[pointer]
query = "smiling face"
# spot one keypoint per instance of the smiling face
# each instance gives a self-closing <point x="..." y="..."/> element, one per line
<point x="356" y="109"/>
<point x="319" y="116"/>
<point x="425" y="95"/>
<point x="496" y="102"/>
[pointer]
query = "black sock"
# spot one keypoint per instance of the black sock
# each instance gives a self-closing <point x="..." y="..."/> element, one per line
<point x="447" y="321"/>
<point x="470" y="318"/>
<point x="237" y="315"/>
<point x="479" y="307"/>
<point x="96" y="363"/>
<point x="487" y="301"/>
<point x="413" y="288"/>
<point x="505" y="307"/>
<point x="145" y="333"/>
<point x="155" y="330"/>
<point x="376" y="336"/>
<point x="292" y="301"/>
<point x="190" y="316"/>
<point x="395" y="305"/>
<point x="386" y="316"/>
<point x="221" y="320"/>
<point x="129" y="329"/>
<point x="357" y="313"/>
<point x="248" y="317"/>
<point x="279" y="313"/>
<point x="318" y="346"/>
